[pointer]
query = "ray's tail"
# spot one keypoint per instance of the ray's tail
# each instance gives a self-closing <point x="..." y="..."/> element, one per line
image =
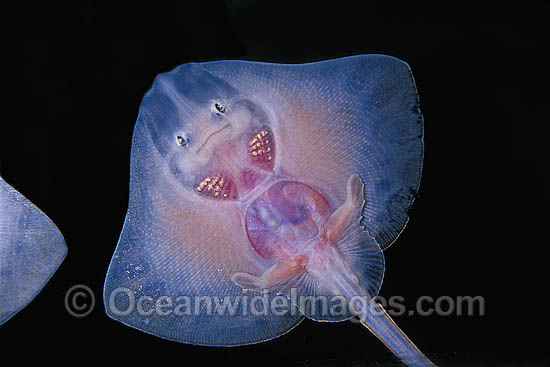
<point x="376" y="319"/>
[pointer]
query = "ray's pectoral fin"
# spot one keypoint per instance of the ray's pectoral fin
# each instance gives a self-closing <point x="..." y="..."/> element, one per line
<point x="348" y="215"/>
<point x="277" y="278"/>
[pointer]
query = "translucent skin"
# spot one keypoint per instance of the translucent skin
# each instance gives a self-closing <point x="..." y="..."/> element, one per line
<point x="269" y="177"/>
<point x="31" y="250"/>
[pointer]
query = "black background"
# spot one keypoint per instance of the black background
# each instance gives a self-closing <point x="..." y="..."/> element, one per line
<point x="477" y="228"/>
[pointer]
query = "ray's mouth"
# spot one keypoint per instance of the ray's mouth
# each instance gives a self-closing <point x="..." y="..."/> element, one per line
<point x="211" y="135"/>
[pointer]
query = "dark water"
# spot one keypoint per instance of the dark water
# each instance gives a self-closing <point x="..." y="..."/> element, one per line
<point x="442" y="360"/>
<point x="478" y="227"/>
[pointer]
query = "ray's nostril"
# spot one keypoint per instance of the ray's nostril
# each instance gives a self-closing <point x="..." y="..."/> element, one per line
<point x="219" y="107"/>
<point x="182" y="141"/>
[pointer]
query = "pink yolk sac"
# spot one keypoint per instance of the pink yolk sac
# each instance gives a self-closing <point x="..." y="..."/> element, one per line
<point x="286" y="217"/>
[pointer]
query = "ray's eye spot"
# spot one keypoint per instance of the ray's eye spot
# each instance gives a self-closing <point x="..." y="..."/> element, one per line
<point x="220" y="107"/>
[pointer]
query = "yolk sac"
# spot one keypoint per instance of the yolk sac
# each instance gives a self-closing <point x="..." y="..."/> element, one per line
<point x="217" y="186"/>
<point x="285" y="218"/>
<point x="261" y="147"/>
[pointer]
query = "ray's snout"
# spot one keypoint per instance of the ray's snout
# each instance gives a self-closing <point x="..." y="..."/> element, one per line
<point x="185" y="108"/>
